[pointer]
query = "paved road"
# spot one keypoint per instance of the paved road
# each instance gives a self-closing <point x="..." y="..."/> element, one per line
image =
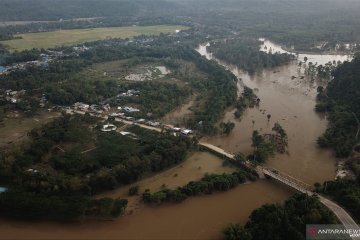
<point x="343" y="216"/>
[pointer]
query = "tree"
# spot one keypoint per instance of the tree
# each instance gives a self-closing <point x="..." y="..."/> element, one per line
<point x="279" y="130"/>
<point x="119" y="207"/>
<point x="134" y="190"/>
<point x="227" y="127"/>
<point x="236" y="232"/>
<point x="263" y="150"/>
<point x="268" y="117"/>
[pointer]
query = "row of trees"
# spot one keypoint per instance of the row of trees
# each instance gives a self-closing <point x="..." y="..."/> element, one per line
<point x="207" y="185"/>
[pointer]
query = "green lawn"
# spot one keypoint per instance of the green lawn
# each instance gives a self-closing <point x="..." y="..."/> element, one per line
<point x="74" y="36"/>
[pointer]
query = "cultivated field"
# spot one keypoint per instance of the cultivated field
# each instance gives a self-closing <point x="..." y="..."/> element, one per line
<point x="75" y="36"/>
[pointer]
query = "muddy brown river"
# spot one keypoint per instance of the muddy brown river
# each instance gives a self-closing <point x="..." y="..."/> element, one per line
<point x="289" y="101"/>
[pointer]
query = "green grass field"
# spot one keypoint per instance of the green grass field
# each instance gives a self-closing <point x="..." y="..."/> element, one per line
<point x="75" y="36"/>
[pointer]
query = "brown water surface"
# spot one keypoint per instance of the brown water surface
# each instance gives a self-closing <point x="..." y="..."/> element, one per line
<point x="192" y="169"/>
<point x="196" y="218"/>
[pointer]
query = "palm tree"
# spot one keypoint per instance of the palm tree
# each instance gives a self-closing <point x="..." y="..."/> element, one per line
<point x="268" y="117"/>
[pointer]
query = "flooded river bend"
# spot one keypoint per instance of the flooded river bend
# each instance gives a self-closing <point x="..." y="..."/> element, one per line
<point x="290" y="101"/>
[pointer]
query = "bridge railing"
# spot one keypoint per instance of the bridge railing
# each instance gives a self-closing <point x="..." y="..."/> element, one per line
<point x="287" y="179"/>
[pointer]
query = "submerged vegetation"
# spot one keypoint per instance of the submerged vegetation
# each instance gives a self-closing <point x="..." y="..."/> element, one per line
<point x="247" y="99"/>
<point x="262" y="149"/>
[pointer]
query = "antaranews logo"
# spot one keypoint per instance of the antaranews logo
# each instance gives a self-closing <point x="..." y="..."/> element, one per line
<point x="332" y="232"/>
<point x="312" y="232"/>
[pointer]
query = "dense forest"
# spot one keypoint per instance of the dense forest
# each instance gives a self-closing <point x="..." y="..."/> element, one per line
<point x="246" y="54"/>
<point x="55" y="175"/>
<point x="341" y="101"/>
<point x="282" y="222"/>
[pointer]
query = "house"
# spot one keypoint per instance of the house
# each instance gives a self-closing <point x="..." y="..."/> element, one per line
<point x="131" y="109"/>
<point x="116" y="114"/>
<point x="95" y="108"/>
<point x="81" y="106"/>
<point x="153" y="124"/>
<point x="141" y="120"/>
<point x="176" y="129"/>
<point x="129" y="93"/>
<point x="186" y="132"/>
<point x="106" y="107"/>
<point x="169" y="127"/>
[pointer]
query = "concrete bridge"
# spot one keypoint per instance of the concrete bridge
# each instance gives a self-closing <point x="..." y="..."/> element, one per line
<point x="292" y="182"/>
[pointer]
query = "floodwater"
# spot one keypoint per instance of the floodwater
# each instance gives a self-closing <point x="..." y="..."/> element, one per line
<point x="320" y="59"/>
<point x="192" y="169"/>
<point x="201" y="217"/>
<point x="289" y="101"/>
<point x="289" y="97"/>
<point x="196" y="218"/>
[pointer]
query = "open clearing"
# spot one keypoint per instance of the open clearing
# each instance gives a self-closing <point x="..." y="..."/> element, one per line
<point x="76" y="36"/>
<point x="16" y="129"/>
